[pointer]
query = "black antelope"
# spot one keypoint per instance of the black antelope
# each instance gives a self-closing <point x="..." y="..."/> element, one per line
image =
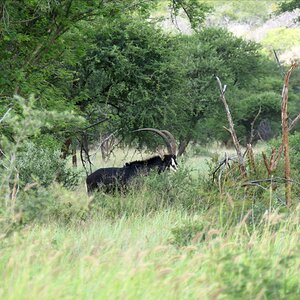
<point x="112" y="179"/>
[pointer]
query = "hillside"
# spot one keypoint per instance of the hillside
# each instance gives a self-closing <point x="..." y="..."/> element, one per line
<point x="257" y="22"/>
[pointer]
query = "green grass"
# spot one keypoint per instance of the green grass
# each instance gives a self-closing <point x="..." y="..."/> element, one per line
<point x="133" y="258"/>
<point x="147" y="244"/>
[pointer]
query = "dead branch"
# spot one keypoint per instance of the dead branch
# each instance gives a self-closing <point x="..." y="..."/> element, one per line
<point x="285" y="135"/>
<point x="271" y="179"/>
<point x="278" y="62"/>
<point x="4" y="116"/>
<point x="293" y="123"/>
<point x="84" y="154"/>
<point x="250" y="154"/>
<point x="232" y="130"/>
<point x="252" y="126"/>
<point x="272" y="163"/>
<point x="267" y="165"/>
<point x="223" y="163"/>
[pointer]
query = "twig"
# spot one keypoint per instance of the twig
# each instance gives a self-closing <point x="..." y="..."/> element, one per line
<point x="293" y="123"/>
<point x="102" y="142"/>
<point x="252" y="126"/>
<point x="272" y="179"/>
<point x="274" y="159"/>
<point x="4" y="116"/>
<point x="278" y="62"/>
<point x="224" y="162"/>
<point x="93" y="125"/>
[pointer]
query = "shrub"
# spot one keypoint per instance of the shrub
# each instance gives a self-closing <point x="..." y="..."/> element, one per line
<point x="44" y="165"/>
<point x="52" y="203"/>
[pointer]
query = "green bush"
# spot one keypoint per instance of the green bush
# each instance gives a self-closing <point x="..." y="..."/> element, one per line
<point x="52" y="203"/>
<point x="44" y="165"/>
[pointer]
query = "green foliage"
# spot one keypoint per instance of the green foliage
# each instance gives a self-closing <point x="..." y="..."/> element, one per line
<point x="24" y="161"/>
<point x="294" y="143"/>
<point x="253" y="12"/>
<point x="195" y="10"/>
<point x="246" y="110"/>
<point x="288" y="5"/>
<point x="215" y="52"/>
<point x="52" y="204"/>
<point x="44" y="165"/>
<point x="282" y="38"/>
<point x="131" y="76"/>
<point x="26" y="121"/>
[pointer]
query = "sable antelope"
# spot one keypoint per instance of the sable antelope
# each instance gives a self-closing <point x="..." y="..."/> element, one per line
<point x="112" y="179"/>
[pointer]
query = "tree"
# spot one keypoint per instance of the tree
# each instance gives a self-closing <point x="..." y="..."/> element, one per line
<point x="130" y="76"/>
<point x="289" y="5"/>
<point x="204" y="55"/>
<point x="43" y="42"/>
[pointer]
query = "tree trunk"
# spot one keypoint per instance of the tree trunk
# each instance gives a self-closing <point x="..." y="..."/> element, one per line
<point x="182" y="146"/>
<point x="65" y="148"/>
<point x="74" y="156"/>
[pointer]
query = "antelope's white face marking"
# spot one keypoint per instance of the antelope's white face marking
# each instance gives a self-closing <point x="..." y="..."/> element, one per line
<point x="173" y="165"/>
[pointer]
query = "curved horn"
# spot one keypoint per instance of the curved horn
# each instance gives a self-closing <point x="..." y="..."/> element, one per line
<point x="172" y="140"/>
<point x="160" y="133"/>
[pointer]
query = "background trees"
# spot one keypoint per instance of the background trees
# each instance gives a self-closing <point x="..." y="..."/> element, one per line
<point x="110" y="63"/>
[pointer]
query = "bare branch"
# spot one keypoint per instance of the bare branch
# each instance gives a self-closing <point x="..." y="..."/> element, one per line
<point x="285" y="134"/>
<point x="232" y="130"/>
<point x="252" y="126"/>
<point x="272" y="179"/>
<point x="292" y="125"/>
<point x="4" y="116"/>
<point x="278" y="62"/>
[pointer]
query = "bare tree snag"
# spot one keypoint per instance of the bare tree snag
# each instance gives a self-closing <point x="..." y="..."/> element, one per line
<point x="285" y="135"/>
<point x="232" y="130"/>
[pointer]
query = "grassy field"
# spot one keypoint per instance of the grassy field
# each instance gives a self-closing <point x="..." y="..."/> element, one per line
<point x="166" y="253"/>
<point x="134" y="258"/>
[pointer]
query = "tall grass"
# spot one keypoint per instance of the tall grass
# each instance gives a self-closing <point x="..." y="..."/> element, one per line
<point x="173" y="236"/>
<point x="135" y="258"/>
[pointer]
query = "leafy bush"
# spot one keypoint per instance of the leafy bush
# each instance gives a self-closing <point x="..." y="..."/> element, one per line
<point x="52" y="203"/>
<point x="44" y="165"/>
<point x="294" y="142"/>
